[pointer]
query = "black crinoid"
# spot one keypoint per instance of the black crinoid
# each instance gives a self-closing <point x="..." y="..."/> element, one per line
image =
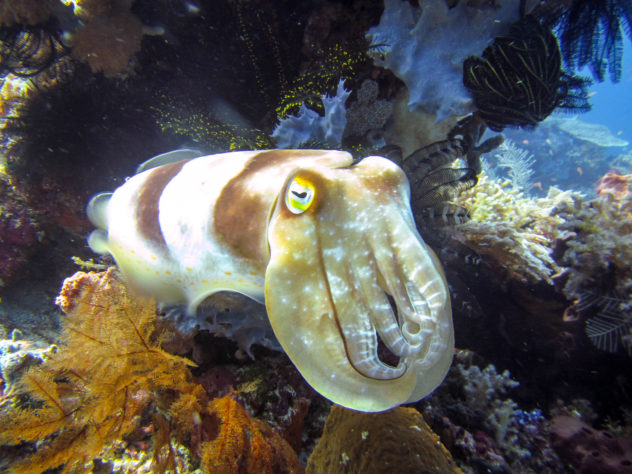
<point x="519" y="80"/>
<point x="591" y="34"/>
<point x="27" y="50"/>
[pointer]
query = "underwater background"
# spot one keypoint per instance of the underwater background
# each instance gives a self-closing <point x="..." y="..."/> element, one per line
<point x="511" y="121"/>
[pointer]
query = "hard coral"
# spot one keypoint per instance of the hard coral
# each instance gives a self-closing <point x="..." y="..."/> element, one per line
<point x="367" y="443"/>
<point x="613" y="182"/>
<point x="484" y="428"/>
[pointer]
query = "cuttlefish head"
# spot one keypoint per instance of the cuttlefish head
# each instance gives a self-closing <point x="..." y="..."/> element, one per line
<point x="348" y="269"/>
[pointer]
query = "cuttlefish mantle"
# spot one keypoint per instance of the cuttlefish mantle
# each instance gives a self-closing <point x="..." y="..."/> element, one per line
<point x="324" y="242"/>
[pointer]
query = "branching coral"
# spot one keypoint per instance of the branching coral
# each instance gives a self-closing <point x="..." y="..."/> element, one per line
<point x="512" y="232"/>
<point x="484" y="427"/>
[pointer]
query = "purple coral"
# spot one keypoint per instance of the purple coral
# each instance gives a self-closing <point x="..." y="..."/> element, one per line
<point x="590" y="450"/>
<point x="18" y="234"/>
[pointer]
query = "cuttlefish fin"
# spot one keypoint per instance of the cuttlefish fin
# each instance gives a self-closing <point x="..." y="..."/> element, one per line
<point x="169" y="157"/>
<point x="97" y="210"/>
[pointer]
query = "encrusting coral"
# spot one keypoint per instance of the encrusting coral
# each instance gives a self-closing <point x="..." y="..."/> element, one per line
<point x="398" y="439"/>
<point x="109" y="373"/>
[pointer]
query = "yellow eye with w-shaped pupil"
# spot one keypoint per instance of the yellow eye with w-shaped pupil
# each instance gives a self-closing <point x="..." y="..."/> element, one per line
<point x="300" y="195"/>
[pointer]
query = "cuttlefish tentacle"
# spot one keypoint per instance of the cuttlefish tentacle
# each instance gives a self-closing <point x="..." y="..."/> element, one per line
<point x="352" y="258"/>
<point x="352" y="299"/>
<point x="426" y="293"/>
<point x="379" y="308"/>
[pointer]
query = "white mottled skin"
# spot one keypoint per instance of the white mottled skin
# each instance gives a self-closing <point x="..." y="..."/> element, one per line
<point x="185" y="204"/>
<point x="327" y="270"/>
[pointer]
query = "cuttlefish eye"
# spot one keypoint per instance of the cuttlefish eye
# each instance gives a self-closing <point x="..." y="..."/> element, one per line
<point x="300" y="195"/>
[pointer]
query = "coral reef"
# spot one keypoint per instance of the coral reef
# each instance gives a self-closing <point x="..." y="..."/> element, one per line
<point x="598" y="134"/>
<point x="17" y="354"/>
<point x="398" y="439"/>
<point x="25" y="12"/>
<point x="108" y="43"/>
<point x="519" y="164"/>
<point x="481" y="427"/>
<point x="240" y="443"/>
<point x="425" y="46"/>
<point x="368" y="113"/>
<point x="569" y="153"/>
<point x="511" y="232"/>
<point x="108" y="376"/>
<point x="19" y="232"/>
<point x="93" y="389"/>
<point x="324" y="75"/>
<point x="590" y="450"/>
<point x="27" y="51"/>
<point x="594" y="250"/>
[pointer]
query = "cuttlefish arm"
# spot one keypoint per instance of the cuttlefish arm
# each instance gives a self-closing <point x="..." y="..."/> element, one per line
<point x="340" y="241"/>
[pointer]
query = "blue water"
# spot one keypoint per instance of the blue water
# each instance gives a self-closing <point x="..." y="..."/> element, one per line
<point x="612" y="103"/>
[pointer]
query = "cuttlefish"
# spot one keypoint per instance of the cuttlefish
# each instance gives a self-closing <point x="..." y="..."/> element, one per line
<point x="330" y="247"/>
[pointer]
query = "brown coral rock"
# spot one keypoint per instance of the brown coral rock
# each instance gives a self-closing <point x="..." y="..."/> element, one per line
<point x="242" y="444"/>
<point x="25" y="12"/>
<point x="108" y="44"/>
<point x="398" y="440"/>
